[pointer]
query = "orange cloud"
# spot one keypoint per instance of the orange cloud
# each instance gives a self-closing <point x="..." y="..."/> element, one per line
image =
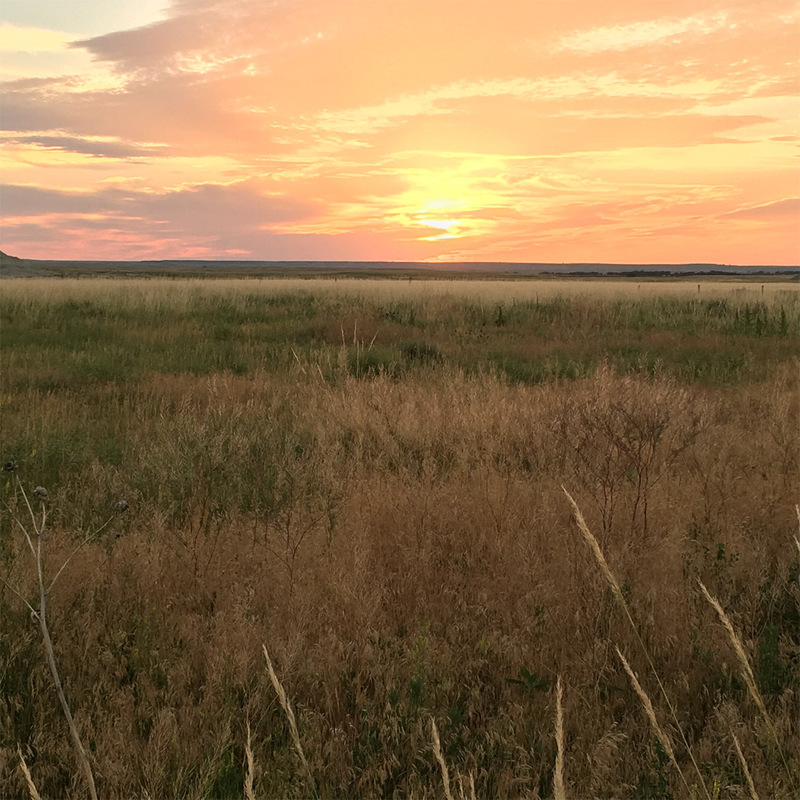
<point x="641" y="131"/>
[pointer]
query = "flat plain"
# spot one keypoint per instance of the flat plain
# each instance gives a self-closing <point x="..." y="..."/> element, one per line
<point x="370" y="477"/>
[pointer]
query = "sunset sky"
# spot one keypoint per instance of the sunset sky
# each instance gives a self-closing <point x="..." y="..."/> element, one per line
<point x="627" y="131"/>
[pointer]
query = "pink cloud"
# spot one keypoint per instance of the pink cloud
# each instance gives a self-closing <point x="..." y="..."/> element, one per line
<point x="251" y="127"/>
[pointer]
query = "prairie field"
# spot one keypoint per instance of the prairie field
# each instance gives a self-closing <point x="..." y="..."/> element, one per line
<point x="374" y="479"/>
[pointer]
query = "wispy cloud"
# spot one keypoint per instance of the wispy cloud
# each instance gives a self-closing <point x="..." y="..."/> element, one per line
<point x="644" y="33"/>
<point x="789" y="207"/>
<point x="444" y="100"/>
<point x="100" y="146"/>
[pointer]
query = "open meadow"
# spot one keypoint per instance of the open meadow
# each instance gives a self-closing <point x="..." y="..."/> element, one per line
<point x="370" y="478"/>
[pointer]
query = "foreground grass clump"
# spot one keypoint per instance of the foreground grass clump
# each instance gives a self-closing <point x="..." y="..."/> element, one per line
<point x="399" y="539"/>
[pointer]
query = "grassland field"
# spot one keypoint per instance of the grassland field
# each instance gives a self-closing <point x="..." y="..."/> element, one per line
<point x="366" y="476"/>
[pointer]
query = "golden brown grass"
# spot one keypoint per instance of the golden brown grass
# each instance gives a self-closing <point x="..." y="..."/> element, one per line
<point x="666" y="742"/>
<point x="35" y="530"/>
<point x="745" y="769"/>
<point x="284" y="701"/>
<point x="426" y="529"/>
<point x="558" y="771"/>
<point x="437" y="751"/>
<point x="34" y="794"/>
<point x="796" y="539"/>
<point x="250" y="768"/>
<point x="177" y="292"/>
<point x="620" y="597"/>
<point x="403" y="545"/>
<point x="747" y="674"/>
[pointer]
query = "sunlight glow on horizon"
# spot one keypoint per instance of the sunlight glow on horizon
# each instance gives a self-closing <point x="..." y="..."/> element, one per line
<point x="639" y="131"/>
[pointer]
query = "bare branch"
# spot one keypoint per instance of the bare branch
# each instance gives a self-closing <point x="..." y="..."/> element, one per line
<point x="9" y="586"/>
<point x="75" y="551"/>
<point x="28" y="503"/>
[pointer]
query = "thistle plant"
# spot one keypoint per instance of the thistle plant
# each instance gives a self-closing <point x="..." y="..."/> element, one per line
<point x="35" y="534"/>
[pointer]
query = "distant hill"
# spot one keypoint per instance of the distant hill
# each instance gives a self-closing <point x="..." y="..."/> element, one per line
<point x="11" y="266"/>
<point x="10" y="262"/>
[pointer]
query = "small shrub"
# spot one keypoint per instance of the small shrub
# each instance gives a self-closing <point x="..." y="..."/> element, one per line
<point x="421" y="352"/>
<point x="373" y="361"/>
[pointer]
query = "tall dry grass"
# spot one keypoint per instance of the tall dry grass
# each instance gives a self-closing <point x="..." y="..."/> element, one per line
<point x="404" y="546"/>
<point x="750" y="680"/>
<point x="559" y="792"/>
<point x="32" y="790"/>
<point x="179" y="292"/>
<point x="619" y="596"/>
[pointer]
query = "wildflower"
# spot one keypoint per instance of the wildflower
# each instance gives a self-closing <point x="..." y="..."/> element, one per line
<point x="10" y="466"/>
<point x="122" y="505"/>
<point x="40" y="492"/>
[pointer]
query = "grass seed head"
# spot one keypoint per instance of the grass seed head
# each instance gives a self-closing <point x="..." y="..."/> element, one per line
<point x="250" y="768"/>
<point x="649" y="710"/>
<point x="595" y="547"/>
<point x="284" y="701"/>
<point x="747" y="672"/>
<point x="32" y="791"/>
<point x="558" y="770"/>
<point x="437" y="751"/>
<point x="748" y="777"/>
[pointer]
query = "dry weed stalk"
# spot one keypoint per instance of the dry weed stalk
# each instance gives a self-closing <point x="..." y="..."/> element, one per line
<point x="290" y="716"/>
<point x="28" y="779"/>
<point x="437" y="751"/>
<point x="558" y="770"/>
<point x="750" y="786"/>
<point x="666" y="743"/>
<point x="40" y="613"/>
<point x="747" y="673"/>
<point x="598" y="554"/>
<point x="250" y="770"/>
<point x="796" y="540"/>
